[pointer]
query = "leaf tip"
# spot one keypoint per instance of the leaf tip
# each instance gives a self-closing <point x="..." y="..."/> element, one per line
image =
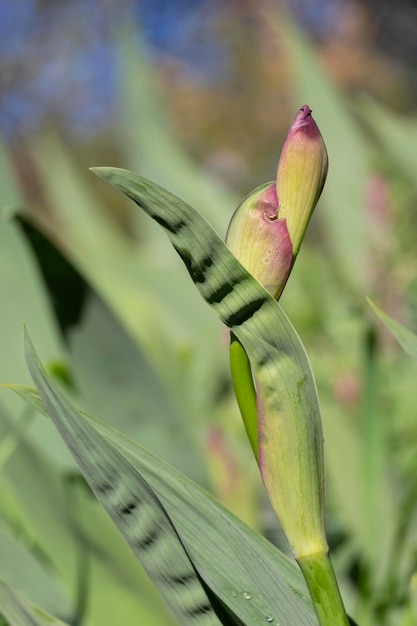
<point x="26" y="337"/>
<point x="99" y="171"/>
<point x="27" y="343"/>
<point x="373" y="306"/>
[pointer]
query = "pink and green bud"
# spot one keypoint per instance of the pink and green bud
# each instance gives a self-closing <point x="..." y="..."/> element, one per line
<point x="267" y="228"/>
<point x="265" y="234"/>
<point x="260" y="241"/>
<point x="302" y="172"/>
<point x="277" y="397"/>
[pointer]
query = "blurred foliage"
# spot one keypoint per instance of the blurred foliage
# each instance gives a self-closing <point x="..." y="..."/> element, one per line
<point x="108" y="303"/>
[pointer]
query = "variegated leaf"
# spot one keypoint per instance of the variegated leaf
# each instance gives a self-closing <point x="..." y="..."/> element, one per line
<point x="133" y="506"/>
<point x="246" y="578"/>
<point x="290" y="434"/>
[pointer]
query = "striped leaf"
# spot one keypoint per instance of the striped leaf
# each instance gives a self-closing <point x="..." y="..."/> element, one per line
<point x="246" y="578"/>
<point x="133" y="506"/>
<point x="290" y="433"/>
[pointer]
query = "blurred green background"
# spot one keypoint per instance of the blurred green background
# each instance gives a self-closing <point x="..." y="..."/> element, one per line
<point x="198" y="96"/>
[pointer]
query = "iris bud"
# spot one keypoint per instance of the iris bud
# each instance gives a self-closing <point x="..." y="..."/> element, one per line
<point x="267" y="228"/>
<point x="265" y="234"/>
<point x="302" y="172"/>
<point x="260" y="241"/>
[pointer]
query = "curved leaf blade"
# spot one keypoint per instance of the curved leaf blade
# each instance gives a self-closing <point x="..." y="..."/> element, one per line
<point x="133" y="506"/>
<point x="232" y="560"/>
<point x="285" y="383"/>
<point x="405" y="337"/>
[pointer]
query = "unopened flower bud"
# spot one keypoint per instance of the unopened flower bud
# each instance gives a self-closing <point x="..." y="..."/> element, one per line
<point x="267" y="228"/>
<point x="265" y="234"/>
<point x="260" y="241"/>
<point x="302" y="171"/>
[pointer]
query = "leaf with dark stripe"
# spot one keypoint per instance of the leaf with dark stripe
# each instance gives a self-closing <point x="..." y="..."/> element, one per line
<point x="231" y="560"/>
<point x="131" y="503"/>
<point x="289" y="421"/>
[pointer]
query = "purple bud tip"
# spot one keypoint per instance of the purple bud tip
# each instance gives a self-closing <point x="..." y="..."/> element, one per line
<point x="304" y="122"/>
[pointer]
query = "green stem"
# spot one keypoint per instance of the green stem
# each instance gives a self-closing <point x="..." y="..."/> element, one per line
<point x="244" y="390"/>
<point x="373" y="447"/>
<point x="321" y="581"/>
<point x="317" y="569"/>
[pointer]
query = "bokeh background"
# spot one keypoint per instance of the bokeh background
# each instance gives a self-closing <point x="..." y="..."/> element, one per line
<point x="221" y="71"/>
<point x="198" y="96"/>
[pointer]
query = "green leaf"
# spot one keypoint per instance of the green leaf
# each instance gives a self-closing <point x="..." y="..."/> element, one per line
<point x="151" y="301"/>
<point x="285" y="384"/>
<point x="132" y="505"/>
<point x="236" y="559"/>
<point x="405" y="337"/>
<point x="30" y="478"/>
<point x="244" y="571"/>
<point x="30" y="396"/>
<point x="244" y="389"/>
<point x="23" y="298"/>
<point x="28" y="302"/>
<point x="67" y="532"/>
<point x="19" y="611"/>
<point x="139" y="404"/>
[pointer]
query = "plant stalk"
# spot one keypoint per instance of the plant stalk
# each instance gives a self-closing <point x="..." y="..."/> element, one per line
<point x="244" y="390"/>
<point x="321" y="581"/>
